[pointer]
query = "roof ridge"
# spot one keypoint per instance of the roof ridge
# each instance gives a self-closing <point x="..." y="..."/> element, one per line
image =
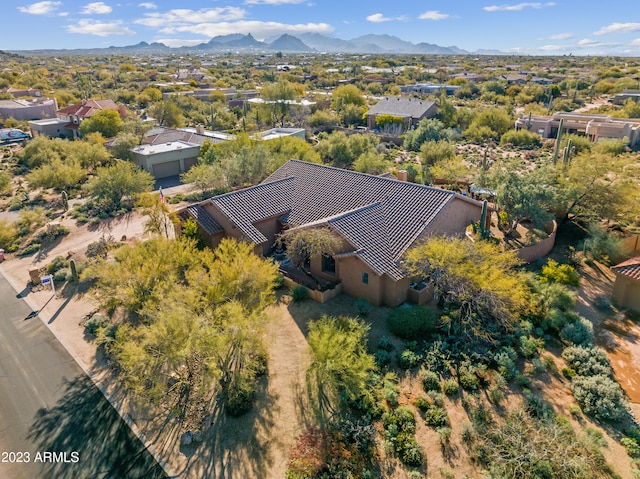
<point x="366" y="175"/>
<point x="250" y="188"/>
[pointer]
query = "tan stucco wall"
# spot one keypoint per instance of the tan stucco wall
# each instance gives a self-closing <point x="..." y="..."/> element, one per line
<point x="394" y="293"/>
<point x="228" y="226"/>
<point x="349" y="270"/>
<point x="454" y="218"/>
<point x="270" y="228"/>
<point x="626" y="292"/>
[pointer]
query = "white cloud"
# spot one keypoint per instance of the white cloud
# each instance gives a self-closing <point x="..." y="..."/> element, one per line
<point x="260" y="30"/>
<point x="40" y="8"/>
<point x="552" y="48"/>
<point x="379" y="18"/>
<point x="179" y="17"/>
<point x="99" y="8"/>
<point x="148" y="5"/>
<point x="434" y="15"/>
<point x="619" y="28"/>
<point x="101" y="29"/>
<point x="272" y="2"/>
<point x="635" y="43"/>
<point x="561" y="36"/>
<point x="518" y="7"/>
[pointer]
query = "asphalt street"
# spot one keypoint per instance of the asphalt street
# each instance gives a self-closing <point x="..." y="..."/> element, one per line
<point x="54" y="423"/>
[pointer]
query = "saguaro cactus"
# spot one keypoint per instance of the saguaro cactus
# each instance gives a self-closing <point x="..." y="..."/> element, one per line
<point x="556" y="150"/>
<point x="484" y="232"/>
<point x="74" y="271"/>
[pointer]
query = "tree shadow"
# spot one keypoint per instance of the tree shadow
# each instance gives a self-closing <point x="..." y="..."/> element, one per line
<point x="84" y="421"/>
<point x="235" y="447"/>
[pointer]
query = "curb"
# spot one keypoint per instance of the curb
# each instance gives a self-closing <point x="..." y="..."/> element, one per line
<point x="99" y="384"/>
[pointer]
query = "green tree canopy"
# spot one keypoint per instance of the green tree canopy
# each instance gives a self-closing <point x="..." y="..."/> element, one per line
<point x="105" y="122"/>
<point x="340" y="365"/>
<point x="477" y="278"/>
<point x="118" y="181"/>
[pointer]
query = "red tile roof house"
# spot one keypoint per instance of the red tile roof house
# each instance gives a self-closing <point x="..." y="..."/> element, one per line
<point x="74" y="114"/>
<point x="626" y="290"/>
<point x="376" y="218"/>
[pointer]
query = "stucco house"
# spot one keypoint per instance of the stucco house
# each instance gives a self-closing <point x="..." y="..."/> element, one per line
<point x="166" y="159"/>
<point x="74" y="114"/>
<point x="375" y="218"/>
<point x="594" y="127"/>
<point x="412" y="110"/>
<point x="626" y="290"/>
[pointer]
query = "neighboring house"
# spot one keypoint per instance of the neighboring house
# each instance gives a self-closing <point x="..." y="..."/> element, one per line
<point x="52" y="127"/>
<point x="74" y="114"/>
<point x="620" y="98"/>
<point x="166" y="159"/>
<point x="626" y="290"/>
<point x="375" y="218"/>
<point x="429" y="88"/>
<point x="32" y="108"/>
<point x="275" y="133"/>
<point x="595" y="127"/>
<point x="411" y="110"/>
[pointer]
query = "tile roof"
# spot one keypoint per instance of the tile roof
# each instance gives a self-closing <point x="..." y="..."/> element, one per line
<point x="381" y="217"/>
<point x="168" y="135"/>
<point x="88" y="108"/>
<point x="398" y="106"/>
<point x="204" y="219"/>
<point x="630" y="268"/>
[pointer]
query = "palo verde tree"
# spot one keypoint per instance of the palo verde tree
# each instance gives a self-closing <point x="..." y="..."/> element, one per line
<point x="197" y="318"/>
<point x="477" y="279"/>
<point x="306" y="243"/>
<point x="105" y="122"/>
<point x="119" y="181"/>
<point x="340" y="365"/>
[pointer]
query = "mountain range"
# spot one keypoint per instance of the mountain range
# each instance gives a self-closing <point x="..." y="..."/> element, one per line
<point x="306" y="42"/>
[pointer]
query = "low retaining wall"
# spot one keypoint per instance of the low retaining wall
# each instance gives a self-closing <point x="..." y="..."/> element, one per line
<point x="529" y="254"/>
<point x="421" y="296"/>
<point x="318" y="296"/>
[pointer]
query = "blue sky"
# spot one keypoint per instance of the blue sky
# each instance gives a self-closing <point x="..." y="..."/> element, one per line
<point x="585" y="27"/>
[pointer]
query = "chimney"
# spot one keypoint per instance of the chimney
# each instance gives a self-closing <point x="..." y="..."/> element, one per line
<point x="402" y="175"/>
<point x="200" y="130"/>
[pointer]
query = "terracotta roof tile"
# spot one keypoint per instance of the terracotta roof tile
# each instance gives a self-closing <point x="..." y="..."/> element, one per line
<point x="382" y="217"/>
<point x="630" y="268"/>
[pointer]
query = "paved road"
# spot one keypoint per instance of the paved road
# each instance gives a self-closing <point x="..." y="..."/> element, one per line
<point x="48" y="405"/>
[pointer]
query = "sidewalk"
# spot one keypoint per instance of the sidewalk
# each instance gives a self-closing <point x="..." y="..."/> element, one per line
<point x="63" y="314"/>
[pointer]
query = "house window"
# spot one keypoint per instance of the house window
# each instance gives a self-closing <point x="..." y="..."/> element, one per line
<point x="328" y="264"/>
<point x="365" y="278"/>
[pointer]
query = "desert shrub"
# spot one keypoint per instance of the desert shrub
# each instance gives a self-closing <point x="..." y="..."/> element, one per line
<point x="400" y="427"/>
<point x="600" y="397"/>
<point x="57" y="264"/>
<point x="468" y="380"/>
<point x="569" y="373"/>
<point x="96" y="322"/>
<point x="412" y="322"/>
<point x="522" y="380"/>
<point x="362" y="306"/>
<point x="530" y="346"/>
<point x="553" y="272"/>
<point x="430" y="381"/>
<point x="601" y="245"/>
<point x="587" y="361"/>
<point x="436" y="416"/>
<point x="496" y="395"/>
<point x="422" y="403"/>
<point x="382" y="357"/>
<point x="98" y="249"/>
<point x="408" y="359"/>
<point x="523" y="446"/>
<point x="29" y="249"/>
<point x="385" y="344"/>
<point x="239" y="396"/>
<point x="450" y="387"/>
<point x="61" y="275"/>
<point x="521" y="138"/>
<point x="299" y="293"/>
<point x="578" y="332"/>
<point x="505" y="360"/>
<point x="436" y="397"/>
<point x="631" y="445"/>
